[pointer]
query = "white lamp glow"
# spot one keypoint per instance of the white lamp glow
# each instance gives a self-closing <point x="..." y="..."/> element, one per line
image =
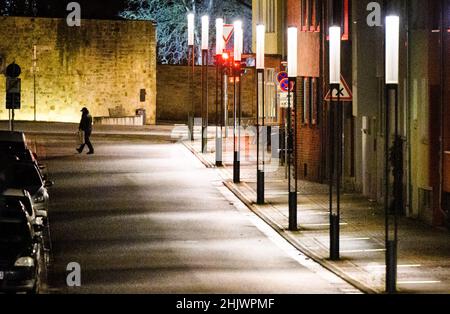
<point x="205" y="32"/>
<point x="219" y="36"/>
<point x="260" y="37"/>
<point x="292" y="51"/>
<point x="238" y="40"/>
<point x="190" y="19"/>
<point x="335" y="55"/>
<point x="392" y="49"/>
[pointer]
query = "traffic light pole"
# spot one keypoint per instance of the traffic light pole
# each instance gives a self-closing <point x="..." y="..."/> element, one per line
<point x="191" y="86"/>
<point x="218" y="111"/>
<point x="204" y="101"/>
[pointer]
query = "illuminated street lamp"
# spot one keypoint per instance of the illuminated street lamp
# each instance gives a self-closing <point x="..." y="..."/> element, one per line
<point x="237" y="112"/>
<point x="204" y="103"/>
<point x="260" y="151"/>
<point x="220" y="44"/>
<point x="335" y="139"/>
<point x="391" y="220"/>
<point x="191" y="62"/>
<point x="292" y="55"/>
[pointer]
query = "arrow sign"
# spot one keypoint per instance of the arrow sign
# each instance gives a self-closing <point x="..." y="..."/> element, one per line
<point x="345" y="93"/>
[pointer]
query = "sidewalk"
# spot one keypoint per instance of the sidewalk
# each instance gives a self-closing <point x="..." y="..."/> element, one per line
<point x="423" y="252"/>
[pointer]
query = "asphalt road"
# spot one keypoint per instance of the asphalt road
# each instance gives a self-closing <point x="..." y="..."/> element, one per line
<point x="145" y="216"/>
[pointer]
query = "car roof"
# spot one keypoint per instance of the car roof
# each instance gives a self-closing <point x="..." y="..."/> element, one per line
<point x="12" y="136"/>
<point x="15" y="192"/>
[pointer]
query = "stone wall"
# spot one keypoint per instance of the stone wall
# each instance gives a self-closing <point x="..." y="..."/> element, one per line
<point x="102" y="65"/>
<point x="174" y="97"/>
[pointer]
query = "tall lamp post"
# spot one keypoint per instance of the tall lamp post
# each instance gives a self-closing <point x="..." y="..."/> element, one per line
<point x="335" y="139"/>
<point x="292" y="125"/>
<point x="260" y="162"/>
<point x="391" y="221"/>
<point x="191" y="63"/>
<point x="205" y="43"/>
<point x="219" y="50"/>
<point x="238" y="45"/>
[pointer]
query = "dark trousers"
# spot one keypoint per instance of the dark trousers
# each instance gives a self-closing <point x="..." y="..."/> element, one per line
<point x="87" y="141"/>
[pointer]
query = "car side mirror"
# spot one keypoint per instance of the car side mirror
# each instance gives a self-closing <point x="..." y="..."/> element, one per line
<point x="49" y="184"/>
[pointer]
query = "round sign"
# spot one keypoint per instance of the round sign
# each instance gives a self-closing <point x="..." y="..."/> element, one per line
<point x="281" y="76"/>
<point x="13" y="70"/>
<point x="284" y="85"/>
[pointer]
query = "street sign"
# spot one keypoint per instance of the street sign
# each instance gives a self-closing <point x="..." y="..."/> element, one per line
<point x="13" y="101"/>
<point x="284" y="100"/>
<point x="284" y="85"/>
<point x="13" y="70"/>
<point x="281" y="76"/>
<point x="13" y="87"/>
<point x="345" y="93"/>
<point x="227" y="32"/>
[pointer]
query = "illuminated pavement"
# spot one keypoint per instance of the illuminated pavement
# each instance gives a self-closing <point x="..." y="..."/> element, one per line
<point x="145" y="216"/>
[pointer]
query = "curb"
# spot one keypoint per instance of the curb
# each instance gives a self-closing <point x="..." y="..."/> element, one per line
<point x="251" y="206"/>
<point x="203" y="160"/>
<point x="324" y="263"/>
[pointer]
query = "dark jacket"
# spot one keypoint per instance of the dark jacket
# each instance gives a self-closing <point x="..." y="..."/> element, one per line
<point x="86" y="122"/>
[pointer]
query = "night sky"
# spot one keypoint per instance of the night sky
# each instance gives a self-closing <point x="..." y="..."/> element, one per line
<point x="100" y="9"/>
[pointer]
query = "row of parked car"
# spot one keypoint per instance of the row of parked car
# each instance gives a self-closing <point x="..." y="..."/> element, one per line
<point x="25" y="242"/>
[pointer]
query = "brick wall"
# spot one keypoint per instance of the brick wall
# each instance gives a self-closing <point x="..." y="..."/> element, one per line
<point x="102" y="65"/>
<point x="309" y="136"/>
<point x="174" y="97"/>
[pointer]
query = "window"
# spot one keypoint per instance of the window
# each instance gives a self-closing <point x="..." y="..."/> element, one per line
<point x="271" y="110"/>
<point x="310" y="100"/>
<point x="270" y="16"/>
<point x="260" y="18"/>
<point x="310" y="15"/>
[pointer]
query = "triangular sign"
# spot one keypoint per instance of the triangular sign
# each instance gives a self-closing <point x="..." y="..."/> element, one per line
<point x="345" y="93"/>
<point x="227" y="32"/>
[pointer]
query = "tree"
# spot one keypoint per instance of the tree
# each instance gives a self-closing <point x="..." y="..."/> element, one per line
<point x="172" y="22"/>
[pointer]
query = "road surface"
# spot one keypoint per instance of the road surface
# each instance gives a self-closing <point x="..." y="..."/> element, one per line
<point x="143" y="215"/>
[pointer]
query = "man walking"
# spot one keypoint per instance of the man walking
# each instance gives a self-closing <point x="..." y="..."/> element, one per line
<point x="86" y="127"/>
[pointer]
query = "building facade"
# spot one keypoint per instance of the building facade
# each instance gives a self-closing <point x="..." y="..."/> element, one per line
<point x="107" y="66"/>
<point x="424" y="88"/>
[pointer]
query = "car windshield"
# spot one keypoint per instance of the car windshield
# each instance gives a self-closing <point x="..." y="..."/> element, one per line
<point x="20" y="176"/>
<point x="14" y="232"/>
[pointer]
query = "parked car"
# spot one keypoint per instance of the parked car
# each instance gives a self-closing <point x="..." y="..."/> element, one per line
<point x="36" y="215"/>
<point x="13" y="146"/>
<point x="13" y="141"/>
<point x="26" y="176"/>
<point x="25" y="198"/>
<point x="22" y="259"/>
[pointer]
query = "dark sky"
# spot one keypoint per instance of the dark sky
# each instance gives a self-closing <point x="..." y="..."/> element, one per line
<point x="101" y="9"/>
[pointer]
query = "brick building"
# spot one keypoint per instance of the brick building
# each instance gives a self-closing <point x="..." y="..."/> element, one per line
<point x="423" y="96"/>
<point x="104" y="65"/>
